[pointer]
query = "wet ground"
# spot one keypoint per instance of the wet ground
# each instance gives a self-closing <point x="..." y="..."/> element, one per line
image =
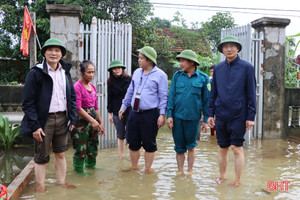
<point x="266" y="160"/>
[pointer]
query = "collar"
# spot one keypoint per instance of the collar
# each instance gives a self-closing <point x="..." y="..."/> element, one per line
<point x="235" y="60"/>
<point x="51" y="69"/>
<point x="196" y="73"/>
<point x="154" y="69"/>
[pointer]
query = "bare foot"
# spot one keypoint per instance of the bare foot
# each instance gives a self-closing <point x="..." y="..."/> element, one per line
<point x="40" y="189"/>
<point x="130" y="169"/>
<point x="219" y="180"/>
<point x="66" y="185"/>
<point x="149" y="171"/>
<point x="189" y="174"/>
<point x="235" y="184"/>
<point x="179" y="173"/>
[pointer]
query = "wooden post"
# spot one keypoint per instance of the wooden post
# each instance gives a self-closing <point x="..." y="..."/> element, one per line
<point x="32" y="43"/>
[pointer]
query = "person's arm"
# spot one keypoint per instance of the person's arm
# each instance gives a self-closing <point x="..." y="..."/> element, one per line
<point x="102" y="130"/>
<point x="205" y="98"/>
<point x="127" y="99"/>
<point x="109" y="104"/>
<point x="163" y="94"/>
<point x="251" y="97"/>
<point x="170" y="105"/>
<point x="30" y="99"/>
<point x="212" y="99"/>
<point x="205" y="103"/>
<point x="73" y="108"/>
<point x="109" y="100"/>
<point x="163" y="99"/>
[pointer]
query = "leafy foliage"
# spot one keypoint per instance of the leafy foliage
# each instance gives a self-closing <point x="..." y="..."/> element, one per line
<point x="290" y="61"/>
<point x="8" y="132"/>
<point x="212" y="28"/>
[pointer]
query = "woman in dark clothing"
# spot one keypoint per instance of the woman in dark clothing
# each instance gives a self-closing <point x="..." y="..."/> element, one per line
<point x="118" y="82"/>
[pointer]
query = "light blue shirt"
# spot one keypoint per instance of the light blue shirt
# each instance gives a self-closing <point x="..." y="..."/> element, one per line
<point x="153" y="88"/>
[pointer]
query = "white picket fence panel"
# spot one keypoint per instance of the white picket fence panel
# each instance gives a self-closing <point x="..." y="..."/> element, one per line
<point x="252" y="51"/>
<point x="101" y="42"/>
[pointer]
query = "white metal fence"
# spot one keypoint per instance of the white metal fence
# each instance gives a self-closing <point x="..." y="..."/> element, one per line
<point x="252" y="51"/>
<point x="101" y="42"/>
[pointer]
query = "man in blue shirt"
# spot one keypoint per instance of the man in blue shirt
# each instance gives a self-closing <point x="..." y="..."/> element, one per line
<point x="147" y="94"/>
<point x="233" y="102"/>
<point x="188" y="99"/>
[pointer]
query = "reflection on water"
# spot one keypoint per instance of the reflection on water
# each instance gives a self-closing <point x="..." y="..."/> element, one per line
<point x="266" y="160"/>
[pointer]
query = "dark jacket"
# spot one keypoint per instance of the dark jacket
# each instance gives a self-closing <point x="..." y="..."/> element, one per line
<point x="233" y="92"/>
<point x="116" y="92"/>
<point x="37" y="96"/>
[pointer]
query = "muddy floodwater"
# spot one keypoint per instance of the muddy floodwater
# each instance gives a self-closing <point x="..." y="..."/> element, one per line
<point x="265" y="161"/>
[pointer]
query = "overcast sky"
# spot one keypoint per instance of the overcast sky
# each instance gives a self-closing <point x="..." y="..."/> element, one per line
<point x="202" y="14"/>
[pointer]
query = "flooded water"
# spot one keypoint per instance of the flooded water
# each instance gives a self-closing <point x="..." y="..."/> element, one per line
<point x="266" y="160"/>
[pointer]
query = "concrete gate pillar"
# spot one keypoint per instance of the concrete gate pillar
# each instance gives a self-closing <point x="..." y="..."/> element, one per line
<point x="64" y="25"/>
<point x="274" y="74"/>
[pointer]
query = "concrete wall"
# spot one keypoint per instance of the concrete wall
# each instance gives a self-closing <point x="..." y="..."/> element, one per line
<point x="274" y="78"/>
<point x="64" y="25"/>
<point x="11" y="98"/>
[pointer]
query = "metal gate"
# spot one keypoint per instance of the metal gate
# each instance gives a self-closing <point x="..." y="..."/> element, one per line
<point x="101" y="42"/>
<point x="252" y="52"/>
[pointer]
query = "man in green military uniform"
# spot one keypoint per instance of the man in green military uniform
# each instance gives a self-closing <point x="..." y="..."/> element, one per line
<point x="188" y="100"/>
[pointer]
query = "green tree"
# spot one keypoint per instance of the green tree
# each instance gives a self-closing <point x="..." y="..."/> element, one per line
<point x="161" y="23"/>
<point x="290" y="61"/>
<point x="212" y="28"/>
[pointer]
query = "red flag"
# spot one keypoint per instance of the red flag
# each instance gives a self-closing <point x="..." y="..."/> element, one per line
<point x="27" y="24"/>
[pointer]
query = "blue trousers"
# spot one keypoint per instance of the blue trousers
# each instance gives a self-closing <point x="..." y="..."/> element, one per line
<point x="230" y="132"/>
<point x="142" y="130"/>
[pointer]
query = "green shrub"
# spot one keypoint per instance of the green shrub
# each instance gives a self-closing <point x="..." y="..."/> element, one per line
<point x="8" y="132"/>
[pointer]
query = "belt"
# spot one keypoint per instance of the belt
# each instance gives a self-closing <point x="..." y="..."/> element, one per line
<point x="141" y="111"/>
<point x="58" y="113"/>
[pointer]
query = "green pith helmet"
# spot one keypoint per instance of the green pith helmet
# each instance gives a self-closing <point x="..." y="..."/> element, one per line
<point x="188" y="54"/>
<point x="116" y="63"/>
<point x="54" y="42"/>
<point x="229" y="39"/>
<point x="149" y="52"/>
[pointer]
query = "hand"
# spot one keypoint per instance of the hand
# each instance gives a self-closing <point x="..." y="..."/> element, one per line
<point x="38" y="135"/>
<point x="102" y="129"/>
<point x="111" y="120"/>
<point x="211" y="122"/>
<point x="95" y="125"/>
<point x="121" y="111"/>
<point x="249" y="124"/>
<point x="161" y="121"/>
<point x="204" y="127"/>
<point x="170" y="122"/>
<point x="71" y="127"/>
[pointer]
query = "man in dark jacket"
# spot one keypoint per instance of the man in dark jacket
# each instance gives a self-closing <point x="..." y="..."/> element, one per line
<point x="49" y="104"/>
<point x="233" y="102"/>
